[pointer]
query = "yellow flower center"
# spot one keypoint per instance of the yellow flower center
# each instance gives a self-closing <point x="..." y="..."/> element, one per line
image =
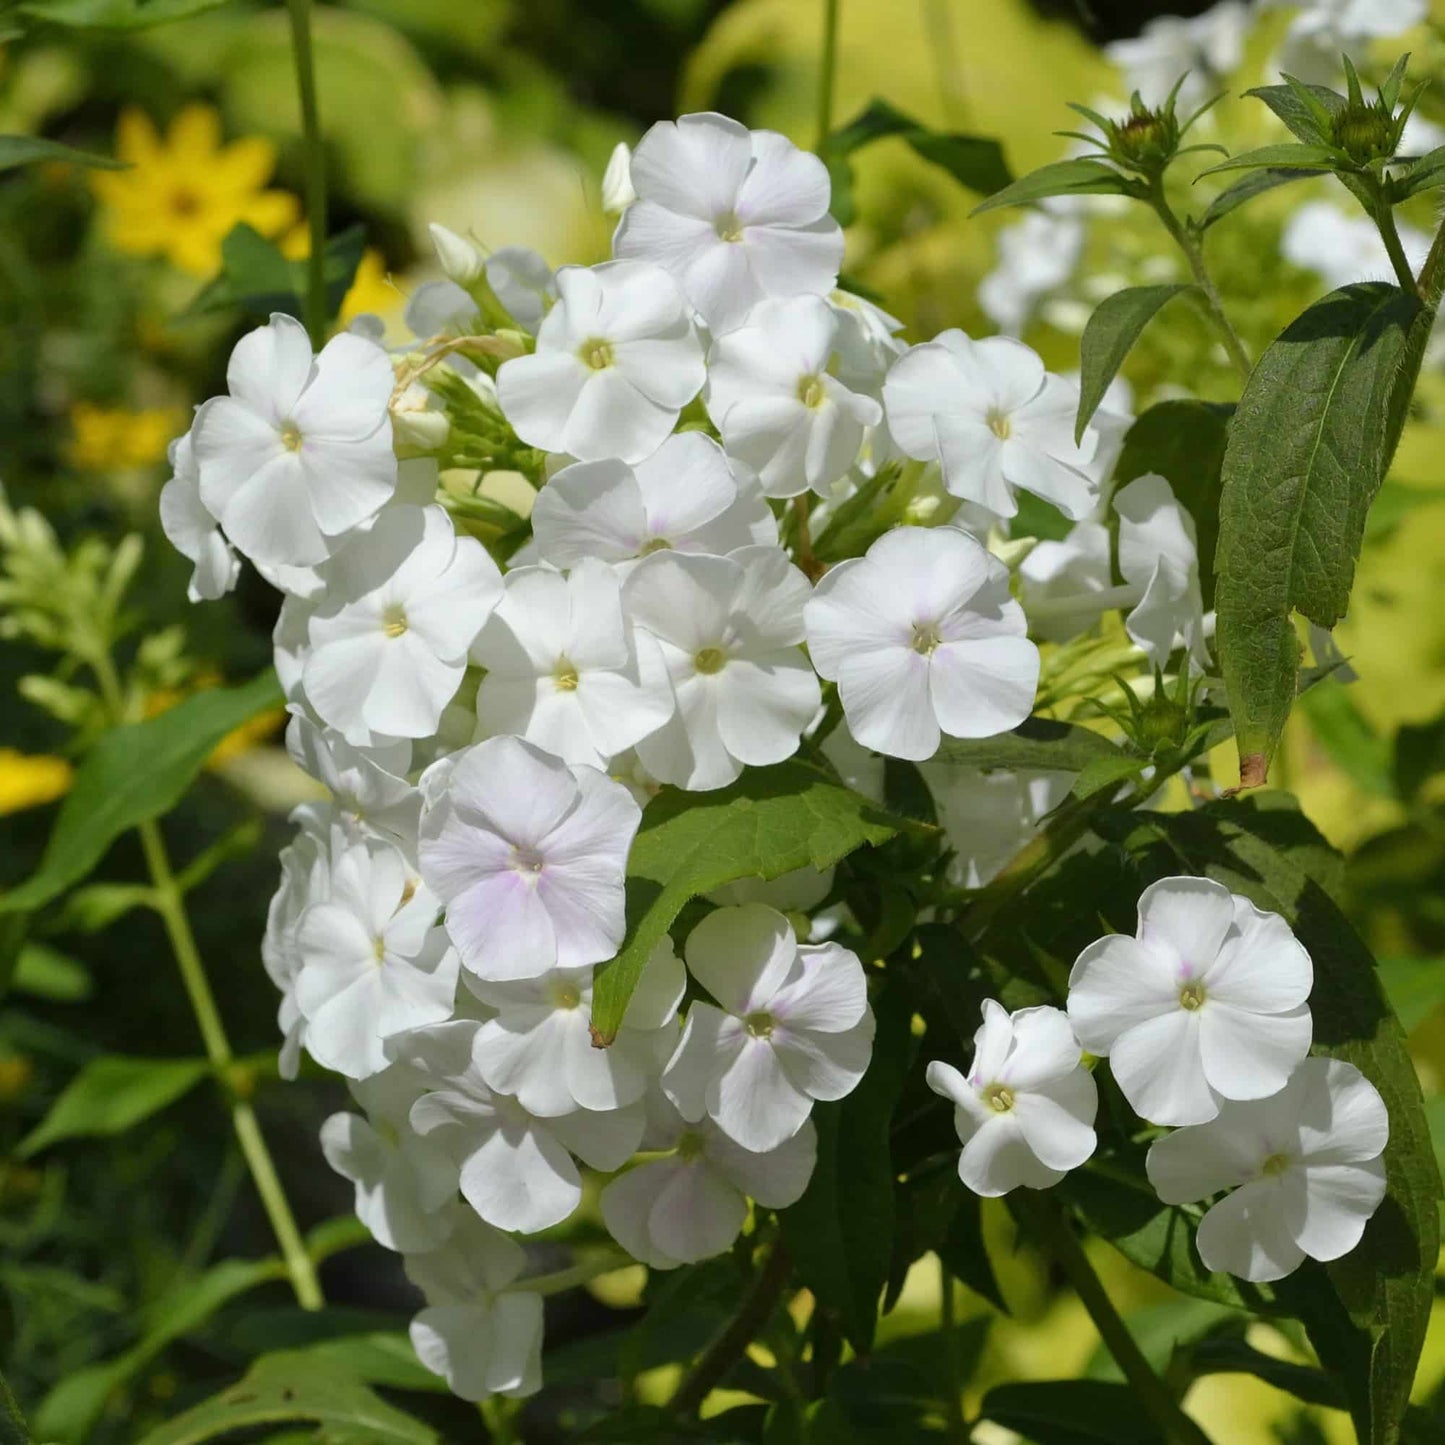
<point x="759" y="1025"/>
<point x="596" y="354"/>
<point x="811" y="392"/>
<point x="925" y="638"/>
<point x="566" y="995"/>
<point x="526" y="860"/>
<point x="710" y="660"/>
<point x="564" y="676"/>
<point x="393" y="620"/>
<point x="291" y="436"/>
<point x="1191" y="996"/>
<point x="1000" y="425"/>
<point x="690" y="1145"/>
<point x="654" y="544"/>
<point x="729" y="228"/>
<point x="1275" y="1165"/>
<point x="999" y="1098"/>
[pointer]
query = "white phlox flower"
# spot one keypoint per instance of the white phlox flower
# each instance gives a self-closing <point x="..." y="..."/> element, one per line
<point x="922" y="638"/>
<point x="729" y="628"/>
<point x="1065" y="586"/>
<point x="866" y="343"/>
<point x="617" y="359"/>
<point x="193" y="531"/>
<point x="524" y="283"/>
<point x="1206" y="1003"/>
<point x="685" y="497"/>
<point x="369" y="784"/>
<point x="1340" y="248"/>
<point x="1036" y="255"/>
<point x="439" y="310"/>
<point x="1323" y="30"/>
<point x="779" y="409"/>
<point x="403" y="1181"/>
<point x="791" y="1024"/>
<point x="1303" y="1167"/>
<point x="617" y="192"/>
<point x="375" y="961"/>
<point x="566" y="669"/>
<point x="1025" y="1111"/>
<point x="528" y="855"/>
<point x="482" y="1336"/>
<point x="388" y="642"/>
<point x="796" y="892"/>
<point x="539" y="1046"/>
<point x="1208" y="47"/>
<point x="515" y="1168"/>
<point x="735" y="215"/>
<point x="995" y="420"/>
<point x="300" y="451"/>
<point x="692" y="1203"/>
<point x="1158" y="555"/>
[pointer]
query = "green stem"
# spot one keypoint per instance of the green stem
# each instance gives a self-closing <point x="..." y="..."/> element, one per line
<point x="1052" y="1227"/>
<point x="1189" y="244"/>
<point x="1385" y="219"/>
<point x="316" y="307"/>
<point x="829" y="65"/>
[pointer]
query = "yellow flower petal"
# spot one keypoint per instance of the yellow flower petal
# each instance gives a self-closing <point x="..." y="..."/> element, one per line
<point x="195" y="135"/>
<point x="29" y="781"/>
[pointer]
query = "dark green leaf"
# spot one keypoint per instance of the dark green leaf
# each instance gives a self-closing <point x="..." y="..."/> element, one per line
<point x="1242" y="191"/>
<point x="1280" y="157"/>
<point x="771" y="821"/>
<point x="1301" y="108"/>
<point x="45" y="972"/>
<point x="24" y="150"/>
<point x="113" y="14"/>
<point x="135" y="773"/>
<point x="1423" y="174"/>
<point x="1419" y="755"/>
<point x="1071" y="1412"/>
<point x="258" y="279"/>
<point x="1307" y="451"/>
<point x="1104" y="773"/>
<point x="112" y="1094"/>
<point x="1037" y="742"/>
<point x="12" y="1423"/>
<point x="840" y="1233"/>
<point x="1060" y="178"/>
<point x="1116" y="324"/>
<point x="1235" y="1357"/>
<point x="908" y="1380"/>
<point x="965" y="1251"/>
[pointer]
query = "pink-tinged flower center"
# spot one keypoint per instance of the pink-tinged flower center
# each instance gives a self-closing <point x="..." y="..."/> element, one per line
<point x="759" y="1025"/>
<point x="526" y="861"/>
<point x="729" y="227"/>
<point x="1192" y="996"/>
<point x="291" y="436"/>
<point x="999" y="1098"/>
<point x="654" y="544"/>
<point x="925" y="638"/>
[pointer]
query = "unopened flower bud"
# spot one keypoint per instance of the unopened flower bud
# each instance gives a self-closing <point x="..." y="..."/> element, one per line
<point x="1365" y="133"/>
<point x="415" y="424"/>
<point x="617" y="192"/>
<point x="459" y="258"/>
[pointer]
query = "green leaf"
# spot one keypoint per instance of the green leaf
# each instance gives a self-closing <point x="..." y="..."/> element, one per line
<point x="12" y="1423"/>
<point x="24" y="150"/>
<point x="132" y="774"/>
<point x="1245" y="190"/>
<point x="45" y="972"/>
<point x="1116" y="324"/>
<point x="840" y="1233"/>
<point x="1071" y="1412"/>
<point x="1037" y="742"/>
<point x="1234" y="1357"/>
<point x="258" y="279"/>
<point x="1302" y="108"/>
<point x="771" y="821"/>
<point x="1059" y="178"/>
<point x="1184" y="442"/>
<point x="1423" y="174"/>
<point x="113" y="14"/>
<point x="112" y="1094"/>
<point x="296" y="1385"/>
<point x="1307" y="451"/>
<point x="1279" y="157"/>
<point x="69" y="1412"/>
<point x="1419" y="755"/>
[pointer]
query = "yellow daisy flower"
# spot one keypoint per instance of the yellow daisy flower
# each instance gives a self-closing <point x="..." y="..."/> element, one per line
<point x="185" y="192"/>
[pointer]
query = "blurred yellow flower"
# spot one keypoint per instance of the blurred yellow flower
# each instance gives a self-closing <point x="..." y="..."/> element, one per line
<point x="184" y="193"/>
<point x="27" y="781"/>
<point x="114" y="439"/>
<point x="372" y="289"/>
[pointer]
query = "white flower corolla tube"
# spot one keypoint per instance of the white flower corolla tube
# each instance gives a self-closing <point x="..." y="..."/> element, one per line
<point x="770" y="394"/>
<point x="368" y="784"/>
<point x="482" y="1336"/>
<point x="374" y="961"/>
<point x="300" y="451"/>
<point x="566" y="669"/>
<point x="729" y="629"/>
<point x="735" y="215"/>
<point x="923" y="638"/>
<point x="685" y="497"/>
<point x="516" y="1168"/>
<point x="192" y="530"/>
<point x="528" y="855"/>
<point x="617" y="359"/>
<point x="539" y="1046"/>
<point x="995" y="420"/>
<point x="1303" y="1167"/>
<point x="1025" y="1110"/>
<point x="691" y="1204"/>
<point x="1207" y="1002"/>
<point x="790" y="1025"/>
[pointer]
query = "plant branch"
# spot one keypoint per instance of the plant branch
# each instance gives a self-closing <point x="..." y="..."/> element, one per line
<point x="829" y="66"/>
<point x="1384" y="219"/>
<point x="315" y="162"/>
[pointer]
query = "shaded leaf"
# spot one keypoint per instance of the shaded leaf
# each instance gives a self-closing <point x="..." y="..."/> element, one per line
<point x="1037" y="742"/>
<point x="1278" y="157"/>
<point x="1289" y="104"/>
<point x="1071" y="1412"/>
<point x="259" y="279"/>
<point x="1419" y="755"/>
<point x="113" y="14"/>
<point x="1060" y="178"/>
<point x="45" y="972"/>
<point x="24" y="150"/>
<point x="1116" y="324"/>
<point x="1245" y="190"/>
<point x="1423" y="174"/>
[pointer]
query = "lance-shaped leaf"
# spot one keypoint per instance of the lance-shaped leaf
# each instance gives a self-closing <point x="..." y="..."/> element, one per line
<point x="1080" y="177"/>
<point x="1280" y="157"/>
<point x="1308" y="448"/>
<point x="1037" y="742"/>
<point x="1245" y="190"/>
<point x="24" y="150"/>
<point x="1423" y="174"/>
<point x="1307" y="110"/>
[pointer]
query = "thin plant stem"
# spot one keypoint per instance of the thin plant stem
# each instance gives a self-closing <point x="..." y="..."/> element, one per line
<point x="947" y="72"/>
<point x="315" y="170"/>
<point x="828" y="64"/>
<point x="1384" y="218"/>
<point x="803" y="544"/>
<point x="1053" y="1230"/>
<point x="168" y="900"/>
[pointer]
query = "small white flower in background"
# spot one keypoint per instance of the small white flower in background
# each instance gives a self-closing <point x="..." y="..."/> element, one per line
<point x="1322" y="30"/>
<point x="779" y="410"/>
<point x="459" y="258"/>
<point x="1304" y="1168"/>
<point x="514" y="1168"/>
<point x="866" y="342"/>
<point x="528" y="855"/>
<point x="193" y="531"/>
<point x="1341" y="248"/>
<point x="923" y="638"/>
<point x="692" y="1204"/>
<point x="375" y="961"/>
<point x="1058" y="580"/>
<point x="539" y="1046"/>
<point x="524" y="283"/>
<point x="1206" y="1003"/>
<point x="729" y="628"/>
<point x="996" y="421"/>
<point x="685" y="497"/>
<point x="1036" y="255"/>
<point x="442" y="309"/>
<point x="566" y="670"/>
<point x="617" y="192"/>
<point x="1025" y="1111"/>
<point x="792" y="1026"/>
<point x="1208" y="47"/>
<point x="368" y="783"/>
<point x="617" y="359"/>
<point x="735" y="215"/>
<point x="403" y="1182"/>
<point x="1159" y="555"/>
<point x="796" y="892"/>
<point x="300" y="451"/>
<point x="389" y="640"/>
<point x="477" y="1333"/>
